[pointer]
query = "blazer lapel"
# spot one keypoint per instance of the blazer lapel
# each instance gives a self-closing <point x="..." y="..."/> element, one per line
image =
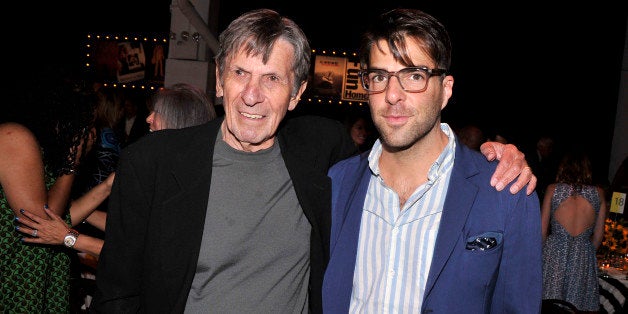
<point x="344" y="243"/>
<point x="458" y="203"/>
<point x="192" y="171"/>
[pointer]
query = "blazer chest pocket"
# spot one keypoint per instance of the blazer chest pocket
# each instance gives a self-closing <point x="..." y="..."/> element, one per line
<point x="487" y="241"/>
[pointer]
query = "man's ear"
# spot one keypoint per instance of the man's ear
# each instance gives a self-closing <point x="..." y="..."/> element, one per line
<point x="219" y="91"/>
<point x="448" y="90"/>
<point x="294" y="100"/>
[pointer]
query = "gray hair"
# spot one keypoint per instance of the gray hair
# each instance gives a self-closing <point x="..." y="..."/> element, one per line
<point x="256" y="32"/>
<point x="183" y="105"/>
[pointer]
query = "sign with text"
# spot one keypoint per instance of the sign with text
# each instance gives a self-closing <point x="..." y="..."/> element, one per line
<point x="618" y="201"/>
<point x="329" y="76"/>
<point x="337" y="77"/>
<point x="352" y="89"/>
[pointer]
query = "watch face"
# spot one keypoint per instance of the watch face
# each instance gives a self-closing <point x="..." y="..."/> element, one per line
<point x="69" y="240"/>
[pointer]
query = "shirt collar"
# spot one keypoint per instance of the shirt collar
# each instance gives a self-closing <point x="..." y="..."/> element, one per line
<point x="437" y="167"/>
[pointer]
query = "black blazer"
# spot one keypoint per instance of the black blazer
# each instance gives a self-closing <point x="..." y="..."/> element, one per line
<point x="158" y="203"/>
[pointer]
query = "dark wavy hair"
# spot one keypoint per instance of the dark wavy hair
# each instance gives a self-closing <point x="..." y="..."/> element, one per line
<point x="575" y="169"/>
<point x="399" y="26"/>
<point x="57" y="106"/>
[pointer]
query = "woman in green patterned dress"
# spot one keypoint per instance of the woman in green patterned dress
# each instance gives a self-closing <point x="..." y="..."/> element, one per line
<point x="37" y="161"/>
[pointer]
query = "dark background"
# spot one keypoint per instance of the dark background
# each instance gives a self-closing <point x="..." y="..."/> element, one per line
<point x="522" y="67"/>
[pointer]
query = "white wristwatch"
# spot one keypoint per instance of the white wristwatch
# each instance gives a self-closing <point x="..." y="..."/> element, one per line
<point x="70" y="238"/>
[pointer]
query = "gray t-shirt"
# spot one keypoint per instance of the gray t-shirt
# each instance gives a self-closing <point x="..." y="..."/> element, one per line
<point x="255" y="251"/>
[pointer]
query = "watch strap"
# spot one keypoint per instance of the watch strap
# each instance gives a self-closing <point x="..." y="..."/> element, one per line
<point x="70" y="238"/>
<point x="73" y="232"/>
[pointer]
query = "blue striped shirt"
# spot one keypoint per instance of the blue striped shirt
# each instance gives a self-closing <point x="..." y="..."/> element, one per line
<point x="396" y="244"/>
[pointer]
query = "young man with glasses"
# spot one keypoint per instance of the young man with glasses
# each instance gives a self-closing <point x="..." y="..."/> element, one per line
<point x="416" y="225"/>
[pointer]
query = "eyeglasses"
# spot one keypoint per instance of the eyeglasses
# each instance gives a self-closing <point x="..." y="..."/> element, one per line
<point x="412" y="79"/>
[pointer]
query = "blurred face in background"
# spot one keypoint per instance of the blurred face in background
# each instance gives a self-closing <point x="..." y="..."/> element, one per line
<point x="359" y="132"/>
<point x="130" y="110"/>
<point x="155" y="121"/>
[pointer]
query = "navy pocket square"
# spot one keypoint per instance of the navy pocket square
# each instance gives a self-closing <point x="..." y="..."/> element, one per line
<point x="483" y="242"/>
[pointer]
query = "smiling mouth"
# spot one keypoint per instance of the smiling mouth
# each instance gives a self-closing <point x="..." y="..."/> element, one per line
<point x="251" y="116"/>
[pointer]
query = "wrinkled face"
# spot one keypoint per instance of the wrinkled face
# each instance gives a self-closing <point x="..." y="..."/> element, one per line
<point x="403" y="118"/>
<point x="155" y="121"/>
<point x="256" y="97"/>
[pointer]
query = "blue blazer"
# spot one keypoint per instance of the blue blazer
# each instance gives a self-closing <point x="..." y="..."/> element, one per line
<point x="506" y="278"/>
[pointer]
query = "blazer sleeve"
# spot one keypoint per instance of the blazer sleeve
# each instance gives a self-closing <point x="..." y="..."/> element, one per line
<point x="520" y="274"/>
<point x="119" y="266"/>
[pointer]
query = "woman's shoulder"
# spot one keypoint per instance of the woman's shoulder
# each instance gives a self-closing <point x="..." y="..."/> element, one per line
<point x="551" y="187"/>
<point x="600" y="191"/>
<point x="19" y="148"/>
<point x="13" y="127"/>
<point x="15" y="134"/>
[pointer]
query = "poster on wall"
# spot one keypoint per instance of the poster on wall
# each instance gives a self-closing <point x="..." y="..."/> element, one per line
<point x="352" y="89"/>
<point x="328" y="76"/>
<point x="131" y="62"/>
<point x="125" y="61"/>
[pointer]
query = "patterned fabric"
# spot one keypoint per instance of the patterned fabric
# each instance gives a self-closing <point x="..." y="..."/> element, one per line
<point x="33" y="279"/>
<point x="107" y="155"/>
<point x="569" y="263"/>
